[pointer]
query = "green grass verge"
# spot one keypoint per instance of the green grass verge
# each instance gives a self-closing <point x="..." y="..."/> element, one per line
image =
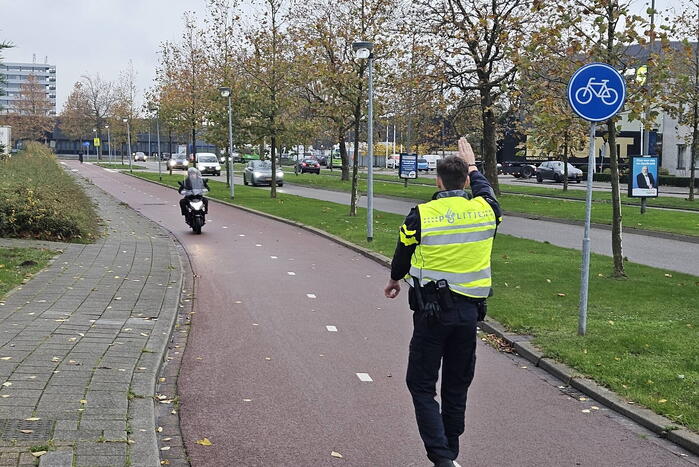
<point x="18" y="264"/>
<point x="110" y="165"/>
<point x="684" y="223"/>
<point x="40" y="200"/>
<point x="522" y="189"/>
<point x="642" y="331"/>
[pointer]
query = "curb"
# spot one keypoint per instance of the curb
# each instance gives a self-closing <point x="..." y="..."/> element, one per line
<point x="658" y="424"/>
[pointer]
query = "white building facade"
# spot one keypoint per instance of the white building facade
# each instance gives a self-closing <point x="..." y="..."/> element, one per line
<point x="17" y="74"/>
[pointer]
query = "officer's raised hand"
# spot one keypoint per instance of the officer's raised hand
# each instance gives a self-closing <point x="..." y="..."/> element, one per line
<point x="466" y="153"/>
<point x="392" y="289"/>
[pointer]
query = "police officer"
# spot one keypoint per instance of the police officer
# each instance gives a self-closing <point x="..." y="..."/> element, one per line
<point x="444" y="250"/>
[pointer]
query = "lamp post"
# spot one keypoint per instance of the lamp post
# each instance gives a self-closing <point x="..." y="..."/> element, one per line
<point x="363" y="51"/>
<point x="128" y="139"/>
<point x="109" y="143"/>
<point x="226" y="92"/>
<point x="155" y="109"/>
<point x="94" y="135"/>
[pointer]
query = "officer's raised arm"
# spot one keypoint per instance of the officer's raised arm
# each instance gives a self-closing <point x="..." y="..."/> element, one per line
<point x="480" y="186"/>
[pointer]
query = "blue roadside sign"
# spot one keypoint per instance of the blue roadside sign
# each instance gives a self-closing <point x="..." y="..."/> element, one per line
<point x="407" y="166"/>
<point x="596" y="92"/>
<point x="86" y="143"/>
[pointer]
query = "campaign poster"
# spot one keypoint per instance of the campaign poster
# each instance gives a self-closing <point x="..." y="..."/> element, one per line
<point x="643" y="177"/>
<point x="407" y="166"/>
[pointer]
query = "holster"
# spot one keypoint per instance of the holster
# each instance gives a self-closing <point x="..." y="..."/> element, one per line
<point x="433" y="300"/>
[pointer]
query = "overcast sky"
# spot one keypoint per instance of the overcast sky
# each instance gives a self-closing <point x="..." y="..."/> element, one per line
<point x="100" y="36"/>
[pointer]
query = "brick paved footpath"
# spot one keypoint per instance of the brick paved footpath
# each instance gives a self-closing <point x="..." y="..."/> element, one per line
<point x="81" y="344"/>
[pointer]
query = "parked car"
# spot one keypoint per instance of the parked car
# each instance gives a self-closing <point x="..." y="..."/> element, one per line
<point x="334" y="160"/>
<point x="165" y="156"/>
<point x="207" y="163"/>
<point x="393" y="161"/>
<point x="322" y="160"/>
<point x="432" y="160"/>
<point x="553" y="170"/>
<point x="307" y="165"/>
<point x="260" y="173"/>
<point x="178" y="161"/>
<point x="140" y="156"/>
<point x="422" y="165"/>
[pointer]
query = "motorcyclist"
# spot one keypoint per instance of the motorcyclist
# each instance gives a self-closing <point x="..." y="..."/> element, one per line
<point x="194" y="185"/>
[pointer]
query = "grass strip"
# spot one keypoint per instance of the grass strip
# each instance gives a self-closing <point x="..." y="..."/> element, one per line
<point x="521" y="189"/>
<point x="642" y="331"/>
<point x="118" y="166"/>
<point x="19" y="264"/>
<point x="678" y="222"/>
<point x="41" y="200"/>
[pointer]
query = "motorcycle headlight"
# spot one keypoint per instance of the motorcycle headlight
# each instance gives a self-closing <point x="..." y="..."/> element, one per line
<point x="196" y="204"/>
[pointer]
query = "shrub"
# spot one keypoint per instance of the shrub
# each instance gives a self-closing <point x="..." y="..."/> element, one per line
<point x="40" y="200"/>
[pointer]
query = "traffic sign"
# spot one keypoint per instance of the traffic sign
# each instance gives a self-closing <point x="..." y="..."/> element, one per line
<point x="596" y="92"/>
<point x="96" y="142"/>
<point x="86" y="144"/>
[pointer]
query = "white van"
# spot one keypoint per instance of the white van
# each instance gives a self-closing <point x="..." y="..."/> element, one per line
<point x="432" y="160"/>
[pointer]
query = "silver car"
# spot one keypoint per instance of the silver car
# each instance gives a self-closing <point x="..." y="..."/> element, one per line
<point x="260" y="173"/>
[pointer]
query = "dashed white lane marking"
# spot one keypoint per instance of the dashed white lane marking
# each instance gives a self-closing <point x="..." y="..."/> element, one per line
<point x="291" y="273"/>
<point x="224" y="227"/>
<point x="364" y="377"/>
<point x="273" y="257"/>
<point x="331" y="328"/>
<point x="241" y="235"/>
<point x="311" y="295"/>
<point x="257" y="244"/>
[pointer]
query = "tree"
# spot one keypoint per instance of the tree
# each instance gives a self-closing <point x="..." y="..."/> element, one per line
<point x="475" y="42"/>
<point x="125" y="106"/>
<point x="265" y="66"/>
<point x="607" y="32"/>
<point x="548" y="61"/>
<point x="334" y="80"/>
<point x="32" y="118"/>
<point x="682" y="97"/>
<point x="182" y="81"/>
<point x="75" y="120"/>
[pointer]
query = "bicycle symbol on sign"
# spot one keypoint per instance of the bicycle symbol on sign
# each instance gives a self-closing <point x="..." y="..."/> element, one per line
<point x="596" y="88"/>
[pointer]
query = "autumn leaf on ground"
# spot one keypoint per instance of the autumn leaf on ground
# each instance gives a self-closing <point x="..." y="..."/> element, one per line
<point x="561" y="295"/>
<point x="38" y="453"/>
<point x="26" y="432"/>
<point x="205" y="442"/>
<point x="336" y="454"/>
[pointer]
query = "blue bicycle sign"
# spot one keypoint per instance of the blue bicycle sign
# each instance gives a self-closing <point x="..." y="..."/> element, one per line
<point x="596" y="92"/>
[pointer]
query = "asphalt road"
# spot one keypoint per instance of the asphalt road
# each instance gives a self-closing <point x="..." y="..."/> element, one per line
<point x="269" y="383"/>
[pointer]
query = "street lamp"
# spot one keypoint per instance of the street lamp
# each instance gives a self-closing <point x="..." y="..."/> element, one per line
<point x="155" y="109"/>
<point x="363" y="51"/>
<point x="94" y="135"/>
<point x="226" y="92"/>
<point x="109" y="143"/>
<point x="128" y="139"/>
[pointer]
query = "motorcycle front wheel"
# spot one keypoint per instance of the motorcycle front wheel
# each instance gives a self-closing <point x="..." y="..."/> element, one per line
<point x="197" y="224"/>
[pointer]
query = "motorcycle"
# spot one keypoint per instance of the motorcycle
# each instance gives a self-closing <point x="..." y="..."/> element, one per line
<point x="195" y="216"/>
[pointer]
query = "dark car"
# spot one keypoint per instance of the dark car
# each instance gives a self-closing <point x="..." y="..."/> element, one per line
<point x="307" y="165"/>
<point x="553" y="170"/>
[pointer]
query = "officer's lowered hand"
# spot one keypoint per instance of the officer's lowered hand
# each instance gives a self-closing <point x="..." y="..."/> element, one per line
<point x="392" y="289"/>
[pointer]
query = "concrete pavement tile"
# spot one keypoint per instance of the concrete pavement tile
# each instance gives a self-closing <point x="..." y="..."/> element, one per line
<point x="100" y="461"/>
<point x="57" y="459"/>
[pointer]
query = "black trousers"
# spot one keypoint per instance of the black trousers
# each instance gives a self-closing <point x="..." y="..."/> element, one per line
<point x="453" y="347"/>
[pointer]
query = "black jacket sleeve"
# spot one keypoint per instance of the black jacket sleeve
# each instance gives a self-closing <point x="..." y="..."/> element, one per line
<point x="408" y="239"/>
<point x="480" y="186"/>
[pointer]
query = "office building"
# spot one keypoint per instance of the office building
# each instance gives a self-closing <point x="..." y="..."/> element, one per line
<point x="17" y="74"/>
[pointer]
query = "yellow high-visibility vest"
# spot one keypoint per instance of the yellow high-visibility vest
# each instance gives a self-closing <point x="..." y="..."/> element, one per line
<point x="456" y="242"/>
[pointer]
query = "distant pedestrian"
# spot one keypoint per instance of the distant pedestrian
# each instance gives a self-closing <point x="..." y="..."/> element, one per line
<point x="444" y="247"/>
<point x="80" y="156"/>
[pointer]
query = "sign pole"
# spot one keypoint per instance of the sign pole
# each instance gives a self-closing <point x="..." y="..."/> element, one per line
<point x="585" y="269"/>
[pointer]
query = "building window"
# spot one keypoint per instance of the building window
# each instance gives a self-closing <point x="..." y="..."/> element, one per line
<point x="681" y="153"/>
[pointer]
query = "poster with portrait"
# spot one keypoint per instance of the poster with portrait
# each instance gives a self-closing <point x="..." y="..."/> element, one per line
<point x="643" y="177"/>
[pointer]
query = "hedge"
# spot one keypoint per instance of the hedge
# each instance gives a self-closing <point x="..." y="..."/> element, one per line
<point x="40" y="200"/>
